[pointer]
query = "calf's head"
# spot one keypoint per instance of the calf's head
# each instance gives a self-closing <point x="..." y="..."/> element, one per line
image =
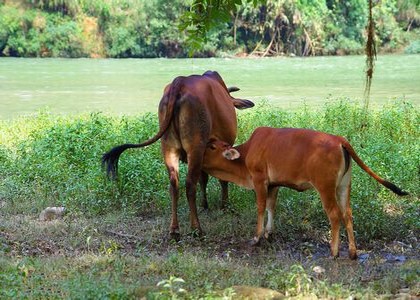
<point x="217" y="152"/>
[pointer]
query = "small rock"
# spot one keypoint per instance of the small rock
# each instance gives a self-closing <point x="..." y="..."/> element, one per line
<point x="318" y="270"/>
<point x="404" y="291"/>
<point x="395" y="258"/>
<point x="363" y="257"/>
<point x="51" y="213"/>
<point x="256" y="293"/>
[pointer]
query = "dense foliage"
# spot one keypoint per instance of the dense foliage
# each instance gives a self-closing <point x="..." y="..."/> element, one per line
<point x="124" y="28"/>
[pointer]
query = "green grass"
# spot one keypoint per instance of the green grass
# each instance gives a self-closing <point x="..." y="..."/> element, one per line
<point x="113" y="243"/>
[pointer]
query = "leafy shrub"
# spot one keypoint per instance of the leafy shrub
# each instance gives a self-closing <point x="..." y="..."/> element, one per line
<point x="144" y="29"/>
<point x="344" y="46"/>
<point x="35" y="33"/>
<point x="413" y="47"/>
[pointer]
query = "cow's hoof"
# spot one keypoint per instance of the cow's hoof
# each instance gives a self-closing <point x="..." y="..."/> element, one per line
<point x="175" y="236"/>
<point x="204" y="210"/>
<point x="205" y="206"/>
<point x="197" y="233"/>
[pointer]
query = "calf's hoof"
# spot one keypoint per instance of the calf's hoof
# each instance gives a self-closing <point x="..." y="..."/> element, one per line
<point x="335" y="255"/>
<point x="255" y="242"/>
<point x="353" y="255"/>
<point x="268" y="236"/>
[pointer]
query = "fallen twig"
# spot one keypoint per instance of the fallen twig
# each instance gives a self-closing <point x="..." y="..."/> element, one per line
<point x="124" y="235"/>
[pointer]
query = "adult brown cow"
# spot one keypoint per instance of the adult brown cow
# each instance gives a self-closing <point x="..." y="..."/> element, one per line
<point x="193" y="110"/>
<point x="295" y="158"/>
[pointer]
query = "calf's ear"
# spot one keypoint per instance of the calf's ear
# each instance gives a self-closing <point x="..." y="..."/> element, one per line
<point x="231" y="154"/>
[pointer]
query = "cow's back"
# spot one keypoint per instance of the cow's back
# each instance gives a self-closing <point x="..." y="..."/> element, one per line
<point x="203" y="110"/>
<point x="218" y="107"/>
<point x="290" y="154"/>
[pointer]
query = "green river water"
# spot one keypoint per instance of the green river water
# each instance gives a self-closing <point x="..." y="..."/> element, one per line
<point x="131" y="86"/>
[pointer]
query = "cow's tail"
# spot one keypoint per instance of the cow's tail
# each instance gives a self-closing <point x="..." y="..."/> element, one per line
<point x="346" y="145"/>
<point x="110" y="159"/>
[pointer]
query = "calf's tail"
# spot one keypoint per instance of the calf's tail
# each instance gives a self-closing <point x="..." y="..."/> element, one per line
<point x="389" y="185"/>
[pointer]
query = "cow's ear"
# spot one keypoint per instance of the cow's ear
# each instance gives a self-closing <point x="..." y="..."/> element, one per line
<point x="242" y="103"/>
<point x="231" y="154"/>
<point x="232" y="89"/>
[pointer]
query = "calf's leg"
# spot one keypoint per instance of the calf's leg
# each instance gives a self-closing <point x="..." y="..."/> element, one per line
<point x="261" y="195"/>
<point x="329" y="202"/>
<point x="270" y="207"/>
<point x="343" y="196"/>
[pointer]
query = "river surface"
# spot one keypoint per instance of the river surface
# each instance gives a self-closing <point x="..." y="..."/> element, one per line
<point x="132" y="86"/>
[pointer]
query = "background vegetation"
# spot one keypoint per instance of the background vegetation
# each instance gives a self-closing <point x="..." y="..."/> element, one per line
<point x="125" y="28"/>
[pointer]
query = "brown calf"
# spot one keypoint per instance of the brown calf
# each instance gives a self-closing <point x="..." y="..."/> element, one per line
<point x="299" y="159"/>
<point x="192" y="110"/>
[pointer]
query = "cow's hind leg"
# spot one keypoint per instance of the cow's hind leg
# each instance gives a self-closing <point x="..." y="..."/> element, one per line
<point x="171" y="157"/>
<point x="193" y="175"/>
<point x="343" y="197"/>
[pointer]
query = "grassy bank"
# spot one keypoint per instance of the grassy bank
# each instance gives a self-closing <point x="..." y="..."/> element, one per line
<point x="113" y="240"/>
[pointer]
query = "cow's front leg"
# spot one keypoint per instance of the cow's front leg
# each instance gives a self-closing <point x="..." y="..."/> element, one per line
<point x="204" y="179"/>
<point x="225" y="193"/>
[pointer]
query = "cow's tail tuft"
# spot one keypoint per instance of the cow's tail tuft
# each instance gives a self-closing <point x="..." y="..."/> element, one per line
<point x="110" y="159"/>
